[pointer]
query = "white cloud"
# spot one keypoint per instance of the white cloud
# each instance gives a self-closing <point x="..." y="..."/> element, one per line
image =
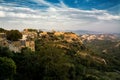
<point x="107" y="16"/>
<point x="2" y="14"/>
<point x="57" y="17"/>
<point x="43" y="2"/>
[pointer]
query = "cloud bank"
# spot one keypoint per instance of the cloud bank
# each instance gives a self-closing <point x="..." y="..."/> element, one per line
<point x="59" y="17"/>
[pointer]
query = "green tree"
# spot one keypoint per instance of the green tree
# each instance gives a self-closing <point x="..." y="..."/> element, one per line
<point x="5" y="52"/>
<point x="13" y="35"/>
<point x="2" y="30"/>
<point x="90" y="77"/>
<point x="7" y="68"/>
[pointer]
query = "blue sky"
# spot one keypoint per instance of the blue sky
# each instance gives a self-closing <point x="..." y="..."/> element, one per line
<point x="93" y="15"/>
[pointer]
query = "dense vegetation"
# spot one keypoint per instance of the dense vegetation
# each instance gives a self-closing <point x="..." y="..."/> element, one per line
<point x="109" y="50"/>
<point x="13" y="35"/>
<point x="51" y="63"/>
<point x="57" y="60"/>
<point x="2" y="30"/>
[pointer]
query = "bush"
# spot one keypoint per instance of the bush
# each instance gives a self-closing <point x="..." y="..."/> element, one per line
<point x="13" y="35"/>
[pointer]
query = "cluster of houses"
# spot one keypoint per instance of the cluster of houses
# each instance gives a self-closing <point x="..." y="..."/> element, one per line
<point x="16" y="46"/>
<point x="28" y="39"/>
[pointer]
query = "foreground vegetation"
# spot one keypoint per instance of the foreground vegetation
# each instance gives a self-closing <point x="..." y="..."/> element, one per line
<point x="58" y="60"/>
<point x="51" y="63"/>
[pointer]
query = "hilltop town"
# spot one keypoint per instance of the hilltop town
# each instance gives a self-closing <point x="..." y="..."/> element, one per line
<point x="64" y="40"/>
<point x="27" y="40"/>
<point x="30" y="35"/>
<point x="55" y="55"/>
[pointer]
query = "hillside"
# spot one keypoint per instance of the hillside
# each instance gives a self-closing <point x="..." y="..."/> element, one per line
<point x="56" y="56"/>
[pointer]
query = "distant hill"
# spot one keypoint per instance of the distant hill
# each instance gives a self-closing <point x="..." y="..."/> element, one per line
<point x="81" y="32"/>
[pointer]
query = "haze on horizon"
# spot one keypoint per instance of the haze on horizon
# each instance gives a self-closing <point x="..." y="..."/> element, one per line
<point x="92" y="15"/>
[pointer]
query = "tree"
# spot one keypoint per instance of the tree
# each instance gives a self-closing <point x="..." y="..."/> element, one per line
<point x="13" y="35"/>
<point x="90" y="77"/>
<point x="7" y="68"/>
<point x="2" y="30"/>
<point x="5" y="52"/>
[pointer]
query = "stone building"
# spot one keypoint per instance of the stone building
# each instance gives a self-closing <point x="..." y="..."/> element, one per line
<point x="16" y="46"/>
